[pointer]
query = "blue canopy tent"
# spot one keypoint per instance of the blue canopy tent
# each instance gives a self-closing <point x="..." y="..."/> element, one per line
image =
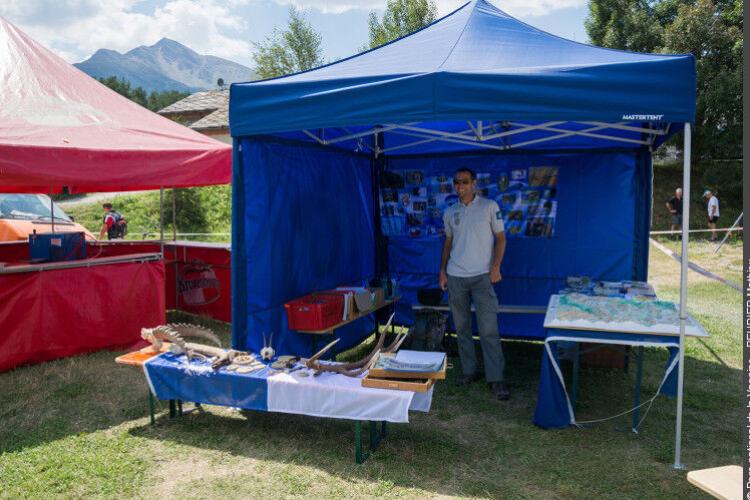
<point x="319" y="156"/>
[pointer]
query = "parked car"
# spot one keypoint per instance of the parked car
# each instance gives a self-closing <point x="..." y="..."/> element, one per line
<point x="21" y="214"/>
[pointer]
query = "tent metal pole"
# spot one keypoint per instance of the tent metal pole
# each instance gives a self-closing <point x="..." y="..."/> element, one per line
<point x="555" y="137"/>
<point x="51" y="210"/>
<point x="586" y="133"/>
<point x="643" y="130"/>
<point x="683" y="294"/>
<point x="466" y="141"/>
<point x="726" y="236"/>
<point x="161" y="220"/>
<point x="174" y="215"/>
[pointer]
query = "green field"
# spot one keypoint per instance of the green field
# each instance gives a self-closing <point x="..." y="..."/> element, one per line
<point x="79" y="427"/>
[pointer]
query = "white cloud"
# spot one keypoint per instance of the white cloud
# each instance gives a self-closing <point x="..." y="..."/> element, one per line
<point x="512" y="7"/>
<point x="77" y="28"/>
<point x="518" y="8"/>
<point x="335" y="6"/>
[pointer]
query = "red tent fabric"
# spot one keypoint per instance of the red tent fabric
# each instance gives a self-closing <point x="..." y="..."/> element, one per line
<point x="60" y="127"/>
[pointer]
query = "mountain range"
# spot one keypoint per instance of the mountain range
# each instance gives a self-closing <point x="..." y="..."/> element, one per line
<point x="166" y="65"/>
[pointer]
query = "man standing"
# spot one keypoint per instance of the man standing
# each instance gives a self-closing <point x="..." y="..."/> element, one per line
<point x="675" y="208"/>
<point x="113" y="224"/>
<point x="472" y="253"/>
<point x="713" y="212"/>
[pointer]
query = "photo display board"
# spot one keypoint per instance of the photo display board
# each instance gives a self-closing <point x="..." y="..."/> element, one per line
<point x="412" y="203"/>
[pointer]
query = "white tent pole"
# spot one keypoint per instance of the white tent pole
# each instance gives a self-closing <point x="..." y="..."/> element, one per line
<point x="174" y="215"/>
<point x="683" y="293"/>
<point x="51" y="209"/>
<point x="726" y="236"/>
<point x="161" y="220"/>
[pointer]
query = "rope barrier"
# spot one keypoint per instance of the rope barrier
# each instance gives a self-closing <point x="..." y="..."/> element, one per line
<point x="180" y="234"/>
<point x="695" y="267"/>
<point x="697" y="230"/>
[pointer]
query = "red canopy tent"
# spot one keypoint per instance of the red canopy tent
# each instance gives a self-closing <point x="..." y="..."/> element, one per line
<point x="60" y="127"/>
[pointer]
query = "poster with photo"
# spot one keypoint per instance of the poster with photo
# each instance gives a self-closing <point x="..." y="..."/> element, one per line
<point x="418" y="205"/>
<point x="413" y="203"/>
<point x="543" y="177"/>
<point x="414" y="178"/>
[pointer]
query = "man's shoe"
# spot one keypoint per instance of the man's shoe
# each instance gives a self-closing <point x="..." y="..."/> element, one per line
<point x="468" y="379"/>
<point x="500" y="390"/>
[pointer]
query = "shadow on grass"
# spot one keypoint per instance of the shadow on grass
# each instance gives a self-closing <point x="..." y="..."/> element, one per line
<point x="80" y="394"/>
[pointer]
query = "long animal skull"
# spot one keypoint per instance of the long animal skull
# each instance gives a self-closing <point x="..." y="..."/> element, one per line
<point x="267" y="352"/>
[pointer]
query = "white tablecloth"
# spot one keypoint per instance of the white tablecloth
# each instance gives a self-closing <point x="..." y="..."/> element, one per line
<point x="338" y="396"/>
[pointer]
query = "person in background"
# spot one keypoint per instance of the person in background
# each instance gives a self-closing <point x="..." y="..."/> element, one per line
<point x="713" y="212"/>
<point x="472" y="253"/>
<point x="675" y="208"/>
<point x="113" y="223"/>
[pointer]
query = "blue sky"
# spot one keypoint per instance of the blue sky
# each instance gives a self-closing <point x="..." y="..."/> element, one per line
<point x="228" y="28"/>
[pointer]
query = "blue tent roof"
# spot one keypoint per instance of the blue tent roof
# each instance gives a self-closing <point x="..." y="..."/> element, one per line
<point x="476" y="63"/>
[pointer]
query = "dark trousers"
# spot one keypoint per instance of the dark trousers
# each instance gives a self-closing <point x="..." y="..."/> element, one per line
<point x="478" y="289"/>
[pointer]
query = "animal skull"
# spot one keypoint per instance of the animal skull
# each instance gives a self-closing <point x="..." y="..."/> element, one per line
<point x="267" y="352"/>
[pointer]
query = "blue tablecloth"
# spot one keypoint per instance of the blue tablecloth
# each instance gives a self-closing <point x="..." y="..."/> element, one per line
<point x="168" y="378"/>
<point x="554" y="409"/>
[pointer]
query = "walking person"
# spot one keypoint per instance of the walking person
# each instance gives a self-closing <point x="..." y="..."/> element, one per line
<point x="713" y="212"/>
<point x="675" y="208"/>
<point x="470" y="265"/>
<point x="114" y="224"/>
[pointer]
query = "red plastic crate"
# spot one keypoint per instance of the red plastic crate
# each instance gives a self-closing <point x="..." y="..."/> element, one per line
<point x="315" y="312"/>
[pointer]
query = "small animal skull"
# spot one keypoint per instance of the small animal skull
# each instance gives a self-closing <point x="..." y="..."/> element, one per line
<point x="267" y="352"/>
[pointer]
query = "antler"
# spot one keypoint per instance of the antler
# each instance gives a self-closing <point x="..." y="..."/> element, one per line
<point x="355" y="368"/>
<point x="310" y="363"/>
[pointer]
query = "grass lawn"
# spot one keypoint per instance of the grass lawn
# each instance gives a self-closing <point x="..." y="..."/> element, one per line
<point x="79" y="427"/>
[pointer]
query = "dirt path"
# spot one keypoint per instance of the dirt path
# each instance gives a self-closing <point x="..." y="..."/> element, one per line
<point x="94" y="197"/>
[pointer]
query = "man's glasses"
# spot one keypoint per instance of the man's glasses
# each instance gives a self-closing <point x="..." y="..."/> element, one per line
<point x="462" y="181"/>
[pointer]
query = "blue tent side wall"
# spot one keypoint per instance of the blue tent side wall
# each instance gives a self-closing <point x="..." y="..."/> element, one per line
<point x="603" y="220"/>
<point x="303" y="220"/>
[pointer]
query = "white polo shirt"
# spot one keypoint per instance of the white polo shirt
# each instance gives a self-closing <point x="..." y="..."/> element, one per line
<point x="713" y="202"/>
<point x="473" y="228"/>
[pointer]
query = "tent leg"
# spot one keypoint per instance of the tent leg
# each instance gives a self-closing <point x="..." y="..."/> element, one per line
<point x="683" y="294"/>
<point x="161" y="220"/>
<point x="637" y="391"/>
<point x="51" y="209"/>
<point x="726" y="236"/>
<point x="174" y="215"/>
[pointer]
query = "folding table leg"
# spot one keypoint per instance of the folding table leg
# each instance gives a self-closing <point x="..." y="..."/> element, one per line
<point x="172" y="408"/>
<point x="637" y="396"/>
<point x="375" y="439"/>
<point x="359" y="455"/>
<point x="151" y="407"/>
<point x="576" y="366"/>
<point x="179" y="407"/>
